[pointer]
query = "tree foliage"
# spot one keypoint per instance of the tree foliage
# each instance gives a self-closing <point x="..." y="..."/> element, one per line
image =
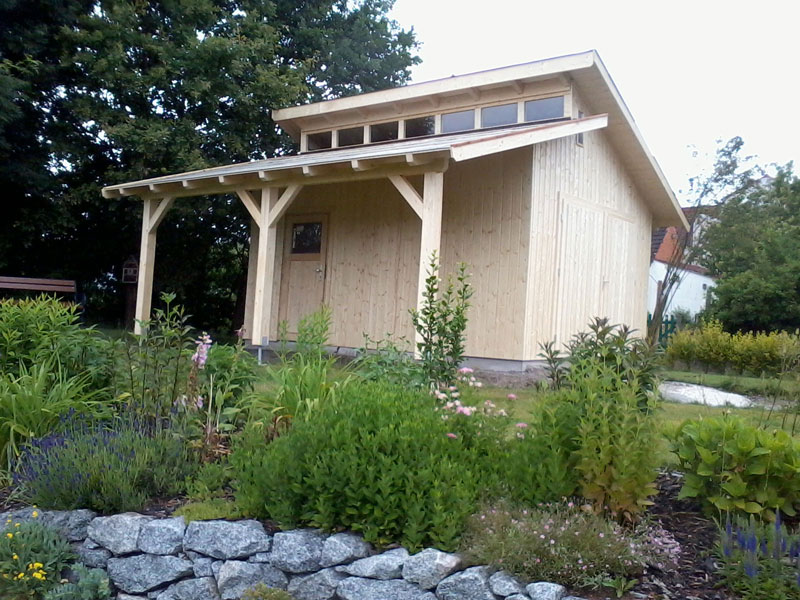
<point x="96" y="92"/>
<point x="754" y="249"/>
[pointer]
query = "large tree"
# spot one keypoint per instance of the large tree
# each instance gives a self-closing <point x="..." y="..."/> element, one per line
<point x="106" y="91"/>
<point x="754" y="249"/>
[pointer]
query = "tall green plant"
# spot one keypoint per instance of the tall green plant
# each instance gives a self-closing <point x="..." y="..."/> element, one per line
<point x="608" y="378"/>
<point x="441" y="323"/>
<point x="155" y="365"/>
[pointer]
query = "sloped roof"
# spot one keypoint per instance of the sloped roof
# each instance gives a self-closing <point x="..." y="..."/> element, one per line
<point x="589" y="75"/>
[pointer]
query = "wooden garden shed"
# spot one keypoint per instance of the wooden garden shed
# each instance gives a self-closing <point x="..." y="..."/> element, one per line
<point x="535" y="175"/>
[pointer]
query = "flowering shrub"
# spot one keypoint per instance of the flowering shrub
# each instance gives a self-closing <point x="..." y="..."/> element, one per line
<point x="377" y="459"/>
<point x="106" y="466"/>
<point x="32" y="557"/>
<point x="565" y="543"/>
<point x="760" y="561"/>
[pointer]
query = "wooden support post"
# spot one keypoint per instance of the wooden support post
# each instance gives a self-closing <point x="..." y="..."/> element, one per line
<point x="265" y="268"/>
<point x="252" y="265"/>
<point x="431" y="237"/>
<point x="153" y="212"/>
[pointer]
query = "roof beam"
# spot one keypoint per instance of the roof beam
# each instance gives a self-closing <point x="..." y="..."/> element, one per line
<point x="282" y="205"/>
<point x="408" y="192"/>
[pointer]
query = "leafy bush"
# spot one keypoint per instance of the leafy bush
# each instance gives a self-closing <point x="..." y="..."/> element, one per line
<point x="32" y="558"/>
<point x="561" y="542"/>
<point x="44" y="329"/>
<point x="607" y="380"/>
<point x="628" y="360"/>
<point x="388" y="360"/>
<point x="440" y="324"/>
<point x="377" y="459"/>
<point x="92" y="584"/>
<point x="110" y="467"/>
<point x="715" y="349"/>
<point x="261" y="591"/>
<point x="759" y="560"/>
<point x="730" y="465"/>
<point x="540" y="466"/>
<point x="33" y="401"/>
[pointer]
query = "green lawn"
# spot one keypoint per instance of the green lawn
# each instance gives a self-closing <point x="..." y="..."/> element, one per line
<point x="739" y="384"/>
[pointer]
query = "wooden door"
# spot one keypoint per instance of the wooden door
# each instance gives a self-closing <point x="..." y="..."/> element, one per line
<point x="304" y="268"/>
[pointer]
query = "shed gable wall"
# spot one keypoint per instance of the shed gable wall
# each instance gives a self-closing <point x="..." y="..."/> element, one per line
<point x="590" y="235"/>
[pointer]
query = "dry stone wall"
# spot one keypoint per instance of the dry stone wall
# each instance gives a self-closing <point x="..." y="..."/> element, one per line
<point x="150" y="558"/>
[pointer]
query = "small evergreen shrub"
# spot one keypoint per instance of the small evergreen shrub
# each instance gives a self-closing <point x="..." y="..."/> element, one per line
<point x="32" y="558"/>
<point x="108" y="466"/>
<point x="377" y="460"/>
<point x="731" y="466"/>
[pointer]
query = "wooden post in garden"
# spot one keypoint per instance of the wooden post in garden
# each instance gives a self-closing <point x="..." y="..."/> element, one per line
<point x="265" y="212"/>
<point x="431" y="237"/>
<point x="153" y="212"/>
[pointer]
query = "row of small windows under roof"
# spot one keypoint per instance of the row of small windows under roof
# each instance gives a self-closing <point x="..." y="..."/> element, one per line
<point x="490" y="116"/>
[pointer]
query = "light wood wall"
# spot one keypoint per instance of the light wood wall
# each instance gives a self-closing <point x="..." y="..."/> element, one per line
<point x="590" y="240"/>
<point x="373" y="252"/>
<point x="372" y="258"/>
<point x="486" y="224"/>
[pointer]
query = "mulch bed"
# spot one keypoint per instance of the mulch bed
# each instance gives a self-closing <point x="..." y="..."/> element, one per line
<point x="695" y="578"/>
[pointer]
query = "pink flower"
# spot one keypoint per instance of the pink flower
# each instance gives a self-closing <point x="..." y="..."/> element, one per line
<point x="465" y="370"/>
<point x="601" y="534"/>
<point x="452" y="436"/>
<point x="200" y="356"/>
<point x="512" y="396"/>
<point x="521" y="425"/>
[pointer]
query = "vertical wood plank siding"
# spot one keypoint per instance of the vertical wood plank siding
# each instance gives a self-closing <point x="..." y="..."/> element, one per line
<point x="486" y="224"/>
<point x="590" y="236"/>
<point x="372" y="257"/>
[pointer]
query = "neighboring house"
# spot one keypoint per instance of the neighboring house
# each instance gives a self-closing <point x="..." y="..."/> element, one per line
<point x="691" y="292"/>
<point x="535" y="175"/>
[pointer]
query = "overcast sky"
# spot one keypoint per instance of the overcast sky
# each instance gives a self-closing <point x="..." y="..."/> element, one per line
<point x="691" y="72"/>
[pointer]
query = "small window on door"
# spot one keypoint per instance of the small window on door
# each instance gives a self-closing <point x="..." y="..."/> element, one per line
<point x="307" y="238"/>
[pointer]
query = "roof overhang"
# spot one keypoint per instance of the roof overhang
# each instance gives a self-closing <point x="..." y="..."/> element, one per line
<point x="369" y="161"/>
